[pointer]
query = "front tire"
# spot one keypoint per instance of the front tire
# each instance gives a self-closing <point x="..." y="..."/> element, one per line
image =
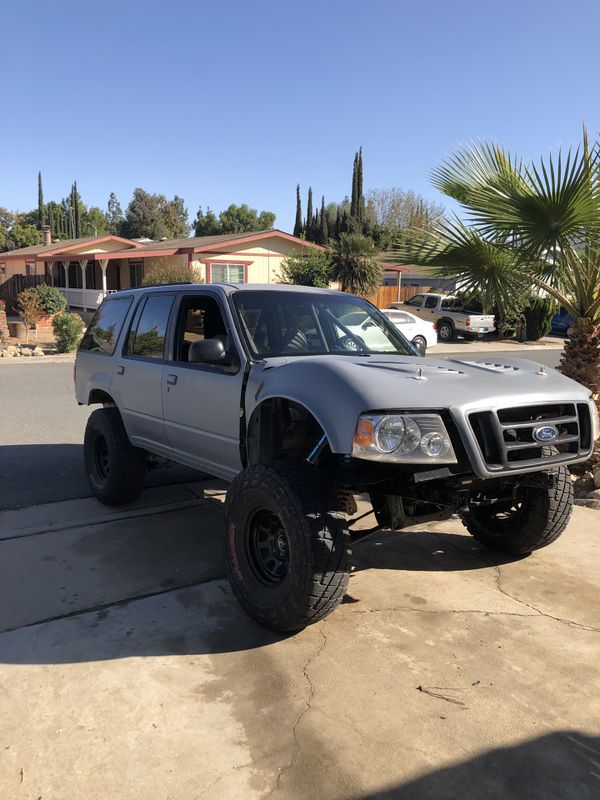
<point x="288" y="553"/>
<point x="535" y="519"/>
<point x="115" y="468"/>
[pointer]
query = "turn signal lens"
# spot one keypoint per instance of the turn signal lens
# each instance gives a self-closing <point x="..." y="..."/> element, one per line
<point x="363" y="435"/>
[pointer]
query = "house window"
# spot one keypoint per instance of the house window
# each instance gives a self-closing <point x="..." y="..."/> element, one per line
<point x="136" y="274"/>
<point x="29" y="269"/>
<point x="2" y="269"/>
<point x="227" y="273"/>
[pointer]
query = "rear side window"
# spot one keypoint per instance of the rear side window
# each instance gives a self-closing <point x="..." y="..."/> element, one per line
<point x="105" y="327"/>
<point x="147" y="335"/>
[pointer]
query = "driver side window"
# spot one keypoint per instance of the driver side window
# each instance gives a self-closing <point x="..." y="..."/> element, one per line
<point x="200" y="318"/>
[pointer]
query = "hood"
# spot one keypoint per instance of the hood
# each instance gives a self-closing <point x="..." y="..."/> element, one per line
<point x="337" y="389"/>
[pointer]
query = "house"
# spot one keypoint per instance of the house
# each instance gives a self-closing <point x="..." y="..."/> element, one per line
<point x="87" y="269"/>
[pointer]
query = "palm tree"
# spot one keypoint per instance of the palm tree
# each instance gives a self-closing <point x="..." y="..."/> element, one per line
<point x="528" y="226"/>
<point x="354" y="264"/>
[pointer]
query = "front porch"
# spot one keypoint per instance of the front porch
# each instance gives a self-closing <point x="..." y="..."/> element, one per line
<point x="85" y="282"/>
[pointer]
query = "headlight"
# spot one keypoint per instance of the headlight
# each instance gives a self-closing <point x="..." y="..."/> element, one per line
<point x="595" y="421"/>
<point x="403" y="438"/>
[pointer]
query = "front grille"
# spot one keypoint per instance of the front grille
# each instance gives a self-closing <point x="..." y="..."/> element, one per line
<point x="507" y="440"/>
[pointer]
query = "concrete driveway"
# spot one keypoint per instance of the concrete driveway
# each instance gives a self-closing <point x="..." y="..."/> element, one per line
<point x="127" y="669"/>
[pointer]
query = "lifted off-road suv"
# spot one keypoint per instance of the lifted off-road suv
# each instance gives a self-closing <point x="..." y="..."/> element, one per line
<point x="275" y="389"/>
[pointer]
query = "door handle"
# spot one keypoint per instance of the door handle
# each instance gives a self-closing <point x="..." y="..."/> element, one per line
<point x="120" y="369"/>
<point x="171" y="380"/>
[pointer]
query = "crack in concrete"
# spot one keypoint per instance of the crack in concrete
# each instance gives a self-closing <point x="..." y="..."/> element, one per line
<point x="570" y="622"/>
<point x="114" y="604"/>
<point x="307" y="707"/>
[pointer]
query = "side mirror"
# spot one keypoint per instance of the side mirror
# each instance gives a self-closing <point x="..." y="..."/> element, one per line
<point x="207" y="351"/>
<point x="421" y="348"/>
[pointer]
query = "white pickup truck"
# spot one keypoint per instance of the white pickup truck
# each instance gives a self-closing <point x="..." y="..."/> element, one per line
<point x="449" y="315"/>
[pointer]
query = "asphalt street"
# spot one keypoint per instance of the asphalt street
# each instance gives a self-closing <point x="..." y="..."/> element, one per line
<point x="41" y="435"/>
<point x="42" y="427"/>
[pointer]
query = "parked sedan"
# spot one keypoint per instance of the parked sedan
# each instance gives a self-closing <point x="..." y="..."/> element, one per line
<point x="418" y="331"/>
<point x="562" y="321"/>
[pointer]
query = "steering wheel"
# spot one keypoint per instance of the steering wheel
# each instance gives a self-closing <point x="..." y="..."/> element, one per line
<point x="352" y="344"/>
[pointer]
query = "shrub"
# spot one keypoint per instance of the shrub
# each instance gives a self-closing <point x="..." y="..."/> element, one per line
<point x="2" y="306"/>
<point x="68" y="329"/>
<point x="310" y="268"/>
<point x="51" y="300"/>
<point x="167" y="273"/>
<point x="538" y="317"/>
<point x="29" y="307"/>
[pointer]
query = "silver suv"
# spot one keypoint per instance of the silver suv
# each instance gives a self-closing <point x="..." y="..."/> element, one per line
<point x="278" y="390"/>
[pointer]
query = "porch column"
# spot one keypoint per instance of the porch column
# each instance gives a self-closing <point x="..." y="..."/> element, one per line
<point x="66" y="268"/>
<point x="83" y="265"/>
<point x="103" y="266"/>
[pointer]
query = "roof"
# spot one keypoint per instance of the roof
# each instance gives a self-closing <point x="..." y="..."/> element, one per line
<point x="66" y="244"/>
<point x="227" y="288"/>
<point x="190" y="244"/>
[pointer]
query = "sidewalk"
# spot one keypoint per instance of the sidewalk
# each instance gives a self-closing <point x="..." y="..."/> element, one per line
<point x="494" y="345"/>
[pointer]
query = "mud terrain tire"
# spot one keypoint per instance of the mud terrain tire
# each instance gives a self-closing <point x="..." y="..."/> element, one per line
<point x="287" y="550"/>
<point x="115" y="468"/>
<point x="541" y="515"/>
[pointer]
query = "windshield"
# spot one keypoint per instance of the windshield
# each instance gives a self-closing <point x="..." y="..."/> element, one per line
<point x="298" y="323"/>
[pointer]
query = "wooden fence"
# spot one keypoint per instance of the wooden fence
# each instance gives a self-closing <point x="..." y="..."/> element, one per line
<point x="386" y="295"/>
<point x="10" y="288"/>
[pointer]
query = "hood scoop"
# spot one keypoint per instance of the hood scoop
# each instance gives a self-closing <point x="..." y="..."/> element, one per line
<point x="491" y="366"/>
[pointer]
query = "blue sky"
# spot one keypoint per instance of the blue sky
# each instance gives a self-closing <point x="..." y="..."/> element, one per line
<point x="238" y="101"/>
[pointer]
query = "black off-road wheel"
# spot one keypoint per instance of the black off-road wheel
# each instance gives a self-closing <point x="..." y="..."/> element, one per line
<point x="115" y="469"/>
<point x="534" y="519"/>
<point x="287" y="549"/>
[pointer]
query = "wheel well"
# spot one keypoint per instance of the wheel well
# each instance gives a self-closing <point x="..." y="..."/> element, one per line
<point x="445" y="319"/>
<point x="281" y="429"/>
<point x="100" y="396"/>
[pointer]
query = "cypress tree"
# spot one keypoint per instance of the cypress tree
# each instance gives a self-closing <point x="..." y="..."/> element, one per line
<point x="298" y="222"/>
<point x="345" y="223"/>
<point x="41" y="209"/>
<point x="336" y="233"/>
<point x="309" y="216"/>
<point x="354" y="200"/>
<point x="360" y="215"/>
<point x="76" y="211"/>
<point x="324" y="228"/>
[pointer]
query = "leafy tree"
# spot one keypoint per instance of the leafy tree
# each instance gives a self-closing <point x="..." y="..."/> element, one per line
<point x="354" y="264"/>
<point x="542" y="220"/>
<point x="41" y="207"/>
<point x="234" y="219"/>
<point x="311" y="267"/>
<point x="144" y="216"/>
<point x="114" y="214"/>
<point x="398" y="210"/>
<point x="94" y="222"/>
<point x="176" y="217"/>
<point x="298" y="223"/>
<point x="24" y="235"/>
<point x="28" y="305"/>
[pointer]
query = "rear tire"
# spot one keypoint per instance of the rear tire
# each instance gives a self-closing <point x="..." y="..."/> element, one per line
<point x="445" y="331"/>
<point x="115" y="469"/>
<point x="536" y="519"/>
<point x="287" y="550"/>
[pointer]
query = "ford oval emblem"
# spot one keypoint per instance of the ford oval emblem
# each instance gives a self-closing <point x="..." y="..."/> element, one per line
<point x="545" y="433"/>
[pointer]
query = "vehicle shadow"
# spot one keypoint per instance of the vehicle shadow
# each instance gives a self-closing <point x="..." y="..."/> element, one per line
<point x="32" y="474"/>
<point x="559" y="766"/>
<point x="155" y="585"/>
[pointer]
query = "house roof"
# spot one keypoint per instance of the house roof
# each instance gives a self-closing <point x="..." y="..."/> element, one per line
<point x="64" y="245"/>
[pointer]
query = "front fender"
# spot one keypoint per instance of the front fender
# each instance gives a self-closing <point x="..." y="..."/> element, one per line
<point x="323" y="391"/>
